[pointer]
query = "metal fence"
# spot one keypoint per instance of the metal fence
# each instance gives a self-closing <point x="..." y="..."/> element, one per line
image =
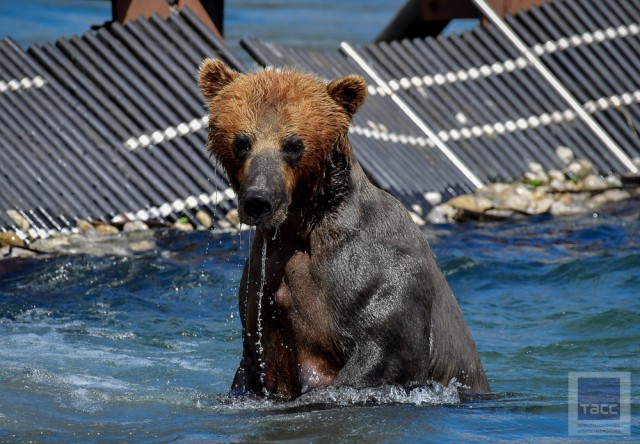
<point x="108" y="126"/>
<point x="446" y="115"/>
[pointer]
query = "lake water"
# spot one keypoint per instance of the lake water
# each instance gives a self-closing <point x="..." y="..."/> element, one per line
<point x="143" y="349"/>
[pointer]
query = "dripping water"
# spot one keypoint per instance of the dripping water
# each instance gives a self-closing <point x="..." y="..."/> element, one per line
<point x="271" y="298"/>
<point x="245" y="301"/>
<point x="250" y="245"/>
<point x="261" y="362"/>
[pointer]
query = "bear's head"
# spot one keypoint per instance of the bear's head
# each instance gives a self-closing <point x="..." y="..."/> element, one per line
<point x="279" y="136"/>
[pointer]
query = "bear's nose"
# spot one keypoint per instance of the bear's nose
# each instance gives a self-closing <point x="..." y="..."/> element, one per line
<point x="257" y="204"/>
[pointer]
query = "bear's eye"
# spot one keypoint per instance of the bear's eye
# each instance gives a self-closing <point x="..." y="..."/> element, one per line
<point x="292" y="149"/>
<point x="241" y="145"/>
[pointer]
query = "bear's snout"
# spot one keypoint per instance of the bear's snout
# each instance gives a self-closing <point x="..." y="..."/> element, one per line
<point x="257" y="204"/>
<point x="263" y="198"/>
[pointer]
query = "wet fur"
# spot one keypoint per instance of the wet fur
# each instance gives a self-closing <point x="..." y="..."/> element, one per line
<point x="352" y="294"/>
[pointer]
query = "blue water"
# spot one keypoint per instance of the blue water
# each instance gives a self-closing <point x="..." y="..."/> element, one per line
<point x="143" y="349"/>
<point x="312" y="24"/>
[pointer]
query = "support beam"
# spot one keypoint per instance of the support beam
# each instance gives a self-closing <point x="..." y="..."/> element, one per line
<point x="423" y="18"/>
<point x="555" y="84"/>
<point x="210" y="12"/>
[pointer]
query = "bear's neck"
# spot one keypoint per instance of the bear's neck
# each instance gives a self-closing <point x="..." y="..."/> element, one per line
<point x="335" y="186"/>
<point x="333" y="201"/>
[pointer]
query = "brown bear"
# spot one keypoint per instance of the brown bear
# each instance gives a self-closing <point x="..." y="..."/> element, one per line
<point x="341" y="287"/>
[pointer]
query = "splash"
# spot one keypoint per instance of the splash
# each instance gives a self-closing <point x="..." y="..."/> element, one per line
<point x="332" y="397"/>
<point x="433" y="394"/>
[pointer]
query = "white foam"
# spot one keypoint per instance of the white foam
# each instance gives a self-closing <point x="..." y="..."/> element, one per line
<point x="434" y="394"/>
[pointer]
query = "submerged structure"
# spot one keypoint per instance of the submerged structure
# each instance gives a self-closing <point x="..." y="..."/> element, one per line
<point x="107" y="128"/>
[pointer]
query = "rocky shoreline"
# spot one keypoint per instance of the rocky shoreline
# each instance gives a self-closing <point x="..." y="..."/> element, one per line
<point x="576" y="189"/>
<point x="120" y="238"/>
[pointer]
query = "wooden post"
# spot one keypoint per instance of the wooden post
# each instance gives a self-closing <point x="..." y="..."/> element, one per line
<point x="422" y="18"/>
<point x="210" y="12"/>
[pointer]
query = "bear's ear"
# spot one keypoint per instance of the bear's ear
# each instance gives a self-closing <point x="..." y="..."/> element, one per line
<point x="349" y="92"/>
<point x="213" y="75"/>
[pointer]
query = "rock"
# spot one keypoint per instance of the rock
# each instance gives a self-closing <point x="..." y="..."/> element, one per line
<point x="593" y="183"/>
<point x="539" y="193"/>
<point x="204" y="219"/>
<point x="556" y="180"/>
<point x="557" y="185"/>
<point x="9" y="239"/>
<point x="517" y="203"/>
<point x="563" y="209"/>
<point x="232" y="217"/>
<point x="616" y="195"/>
<point x="417" y="209"/>
<point x="536" y="168"/>
<point x="574" y="168"/>
<point x="496" y="191"/>
<point x="565" y="154"/>
<point x="416" y="219"/>
<point x="519" y="200"/>
<point x="580" y="198"/>
<point x="576" y="189"/>
<point x="442" y="214"/>
<point x="120" y="219"/>
<point x="225" y="224"/>
<point x="486" y="192"/>
<point x="535" y="179"/>
<point x="524" y="191"/>
<point x="141" y="246"/>
<point x="540" y="206"/>
<point x="555" y="175"/>
<point x="580" y="169"/>
<point x="499" y="214"/>
<point x="106" y="229"/>
<point x="183" y="225"/>
<point x="473" y="204"/>
<point x="84" y="225"/>
<point x="563" y="198"/>
<point x="570" y="185"/>
<point x="433" y="197"/>
<point x="10" y="252"/>
<point x="586" y="165"/>
<point x="609" y="196"/>
<point x="21" y="222"/>
<point x="52" y="244"/>
<point x="613" y="181"/>
<point x="135" y="225"/>
<point x="536" y="175"/>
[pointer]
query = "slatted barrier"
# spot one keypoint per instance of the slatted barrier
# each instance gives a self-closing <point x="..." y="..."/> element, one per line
<point x="446" y="115"/>
<point x="109" y="126"/>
